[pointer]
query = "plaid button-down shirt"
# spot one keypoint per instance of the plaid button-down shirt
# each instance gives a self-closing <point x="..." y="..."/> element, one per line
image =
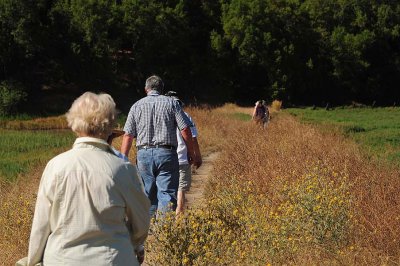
<point x="153" y="120"/>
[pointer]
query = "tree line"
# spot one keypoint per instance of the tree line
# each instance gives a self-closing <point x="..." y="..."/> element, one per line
<point x="304" y="52"/>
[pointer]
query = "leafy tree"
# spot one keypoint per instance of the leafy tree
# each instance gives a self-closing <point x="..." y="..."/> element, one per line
<point x="275" y="36"/>
<point x="12" y="94"/>
<point x="354" y="35"/>
<point x="300" y="51"/>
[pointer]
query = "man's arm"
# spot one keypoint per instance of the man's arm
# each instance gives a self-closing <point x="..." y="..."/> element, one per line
<point x="198" y="160"/>
<point x="126" y="145"/>
<point x="187" y="137"/>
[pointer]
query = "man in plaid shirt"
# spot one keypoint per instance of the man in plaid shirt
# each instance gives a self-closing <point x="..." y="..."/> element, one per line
<point x="153" y="121"/>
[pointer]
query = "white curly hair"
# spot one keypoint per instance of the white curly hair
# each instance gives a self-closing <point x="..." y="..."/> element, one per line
<point x="92" y="115"/>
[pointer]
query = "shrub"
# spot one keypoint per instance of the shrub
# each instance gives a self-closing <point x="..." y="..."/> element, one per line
<point x="241" y="227"/>
<point x="276" y="105"/>
<point x="315" y="209"/>
<point x="12" y="94"/>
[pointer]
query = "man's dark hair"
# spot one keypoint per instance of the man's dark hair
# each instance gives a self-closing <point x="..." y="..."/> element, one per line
<point x="154" y="83"/>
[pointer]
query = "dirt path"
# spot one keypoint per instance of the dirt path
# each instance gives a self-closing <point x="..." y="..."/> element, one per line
<point x="199" y="181"/>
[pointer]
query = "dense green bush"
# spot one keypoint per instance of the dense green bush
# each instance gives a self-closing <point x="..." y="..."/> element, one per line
<point x="302" y="52"/>
<point x="12" y="94"/>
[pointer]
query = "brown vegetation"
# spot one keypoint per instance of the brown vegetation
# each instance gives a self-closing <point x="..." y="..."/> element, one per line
<point x="289" y="194"/>
<point x="17" y="203"/>
<point x="56" y="122"/>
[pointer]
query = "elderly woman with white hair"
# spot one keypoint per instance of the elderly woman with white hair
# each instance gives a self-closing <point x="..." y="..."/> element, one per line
<point x="91" y="208"/>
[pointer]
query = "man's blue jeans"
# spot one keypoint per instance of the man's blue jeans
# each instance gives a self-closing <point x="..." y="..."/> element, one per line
<point x="159" y="169"/>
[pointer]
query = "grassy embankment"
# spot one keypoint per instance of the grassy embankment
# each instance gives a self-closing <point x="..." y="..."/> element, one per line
<point x="291" y="194"/>
<point x="377" y="130"/>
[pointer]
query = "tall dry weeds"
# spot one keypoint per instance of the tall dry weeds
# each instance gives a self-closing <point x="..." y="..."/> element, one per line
<point x="289" y="194"/>
<point x="17" y="203"/>
<point x="288" y="150"/>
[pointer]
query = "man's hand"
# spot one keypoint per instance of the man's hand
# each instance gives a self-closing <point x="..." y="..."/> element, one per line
<point x="197" y="162"/>
<point x="190" y="159"/>
<point x="140" y="257"/>
<point x="140" y="254"/>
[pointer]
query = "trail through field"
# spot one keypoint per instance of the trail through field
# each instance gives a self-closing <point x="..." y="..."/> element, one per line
<point x="199" y="180"/>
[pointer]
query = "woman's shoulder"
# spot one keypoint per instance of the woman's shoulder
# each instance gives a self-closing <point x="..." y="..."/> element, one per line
<point x="61" y="158"/>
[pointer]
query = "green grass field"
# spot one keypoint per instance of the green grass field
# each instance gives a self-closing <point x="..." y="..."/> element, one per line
<point x="377" y="130"/>
<point x="21" y="151"/>
<point x="27" y="142"/>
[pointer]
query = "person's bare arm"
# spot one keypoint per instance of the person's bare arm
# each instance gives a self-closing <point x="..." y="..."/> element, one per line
<point x="187" y="137"/>
<point x="198" y="160"/>
<point x="253" y="116"/>
<point x="126" y="145"/>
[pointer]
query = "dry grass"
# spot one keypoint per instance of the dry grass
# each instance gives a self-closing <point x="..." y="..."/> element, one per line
<point x="56" y="122"/>
<point x="268" y="186"/>
<point x="289" y="149"/>
<point x="17" y="200"/>
<point x="288" y="195"/>
<point x="17" y="203"/>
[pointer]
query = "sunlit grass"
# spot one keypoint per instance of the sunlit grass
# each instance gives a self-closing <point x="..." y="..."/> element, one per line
<point x="287" y="195"/>
<point x="291" y="194"/>
<point x="377" y="130"/>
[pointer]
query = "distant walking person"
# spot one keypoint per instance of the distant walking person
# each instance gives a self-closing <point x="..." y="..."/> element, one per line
<point x="91" y="208"/>
<point x="153" y="121"/>
<point x="267" y="116"/>
<point x="185" y="171"/>
<point x="261" y="113"/>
